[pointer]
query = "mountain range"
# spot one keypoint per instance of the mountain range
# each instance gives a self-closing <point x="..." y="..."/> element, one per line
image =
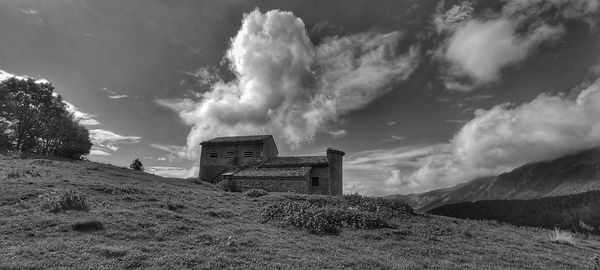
<point x="571" y="174"/>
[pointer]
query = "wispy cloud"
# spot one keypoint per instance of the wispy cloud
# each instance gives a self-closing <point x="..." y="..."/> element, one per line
<point x="110" y="140"/>
<point x="118" y="96"/>
<point x="393" y="138"/>
<point x="99" y="152"/>
<point x="81" y="117"/>
<point x="114" y="94"/>
<point x="173" y="172"/>
<point x="175" y="151"/>
<point x="391" y="123"/>
<point x="340" y="133"/>
<point x="287" y="86"/>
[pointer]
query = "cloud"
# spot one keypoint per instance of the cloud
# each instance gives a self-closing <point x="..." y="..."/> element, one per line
<point x="286" y="86"/>
<point x="81" y="117"/>
<point x="393" y="138"/>
<point x="174" y="172"/>
<point x="175" y="151"/>
<point x="391" y="123"/>
<point x="108" y="139"/>
<point x="338" y="133"/>
<point x="5" y="75"/>
<point x="494" y="141"/>
<point x="477" y="48"/>
<point x="118" y="96"/>
<point x="99" y="152"/>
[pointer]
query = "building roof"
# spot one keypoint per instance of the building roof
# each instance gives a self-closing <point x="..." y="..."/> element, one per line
<point x="296" y="161"/>
<point x="237" y="139"/>
<point x="266" y="173"/>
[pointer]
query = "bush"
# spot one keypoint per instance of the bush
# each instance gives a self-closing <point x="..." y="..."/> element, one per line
<point x="321" y="219"/>
<point x="87" y="225"/>
<point x="136" y="165"/>
<point x="175" y="205"/>
<point x="562" y="237"/>
<point x="595" y="262"/>
<point x="61" y="201"/>
<point x="255" y="192"/>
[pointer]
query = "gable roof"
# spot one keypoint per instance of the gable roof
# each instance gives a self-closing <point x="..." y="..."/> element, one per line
<point x="269" y="173"/>
<point x="296" y="161"/>
<point x="237" y="139"/>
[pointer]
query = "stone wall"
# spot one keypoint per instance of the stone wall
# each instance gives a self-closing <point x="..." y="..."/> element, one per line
<point x="272" y="185"/>
<point x="323" y="174"/>
<point x="212" y="167"/>
<point x="335" y="171"/>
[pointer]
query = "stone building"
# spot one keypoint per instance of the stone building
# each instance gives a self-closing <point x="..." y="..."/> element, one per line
<point x="245" y="162"/>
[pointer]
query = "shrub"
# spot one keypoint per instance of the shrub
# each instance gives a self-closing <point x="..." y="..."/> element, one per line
<point x="562" y="237"/>
<point x="595" y="262"/>
<point x="255" y="192"/>
<point x="321" y="219"/>
<point x="65" y="200"/>
<point x="136" y="165"/>
<point x="87" y="225"/>
<point x="175" y="205"/>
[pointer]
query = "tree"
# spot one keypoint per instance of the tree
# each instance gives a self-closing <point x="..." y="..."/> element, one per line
<point x="136" y="165"/>
<point x="35" y="119"/>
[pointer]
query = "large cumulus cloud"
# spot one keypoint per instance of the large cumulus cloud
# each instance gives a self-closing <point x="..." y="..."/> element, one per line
<point x="286" y="85"/>
<point x="494" y="141"/>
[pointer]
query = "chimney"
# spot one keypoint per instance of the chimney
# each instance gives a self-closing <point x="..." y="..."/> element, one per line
<point x="334" y="158"/>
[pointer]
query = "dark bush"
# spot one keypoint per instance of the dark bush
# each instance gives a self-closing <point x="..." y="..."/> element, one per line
<point x="65" y="200"/>
<point x="255" y="192"/>
<point x="136" y="165"/>
<point x="87" y="225"/>
<point x="321" y="218"/>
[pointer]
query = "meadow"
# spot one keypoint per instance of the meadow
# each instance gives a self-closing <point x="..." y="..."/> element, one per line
<point x="64" y="214"/>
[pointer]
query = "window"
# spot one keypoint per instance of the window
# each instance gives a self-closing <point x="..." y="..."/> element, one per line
<point x="248" y="154"/>
<point x="315" y="181"/>
<point x="230" y="154"/>
<point x="213" y="154"/>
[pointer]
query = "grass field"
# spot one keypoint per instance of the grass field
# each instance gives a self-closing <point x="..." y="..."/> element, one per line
<point x="138" y="220"/>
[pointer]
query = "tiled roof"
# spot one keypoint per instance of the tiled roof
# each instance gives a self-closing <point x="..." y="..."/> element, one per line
<point x="279" y="172"/>
<point x="297" y="161"/>
<point x="237" y="139"/>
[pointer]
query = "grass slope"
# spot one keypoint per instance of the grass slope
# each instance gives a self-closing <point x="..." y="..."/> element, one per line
<point x="138" y="220"/>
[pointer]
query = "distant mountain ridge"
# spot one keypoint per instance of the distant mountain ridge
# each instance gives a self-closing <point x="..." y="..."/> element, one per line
<point x="571" y="174"/>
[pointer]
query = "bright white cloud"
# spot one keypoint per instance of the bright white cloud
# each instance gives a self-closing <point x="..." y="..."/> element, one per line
<point x="480" y="49"/>
<point x="286" y="86"/>
<point x="477" y="48"/>
<point x="118" y="96"/>
<point x="174" y="172"/>
<point x="110" y="140"/>
<point x="81" y="117"/>
<point x="99" y="152"/>
<point x="494" y="141"/>
<point x="175" y="151"/>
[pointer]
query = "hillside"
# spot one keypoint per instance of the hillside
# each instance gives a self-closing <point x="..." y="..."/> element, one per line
<point x="578" y="212"/>
<point x="570" y="174"/>
<point x="138" y="220"/>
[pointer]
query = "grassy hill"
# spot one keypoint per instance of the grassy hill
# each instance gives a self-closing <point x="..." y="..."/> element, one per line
<point x="138" y="220"/>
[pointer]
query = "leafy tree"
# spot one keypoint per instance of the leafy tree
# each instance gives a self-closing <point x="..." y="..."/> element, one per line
<point x="35" y="119"/>
<point x="136" y="164"/>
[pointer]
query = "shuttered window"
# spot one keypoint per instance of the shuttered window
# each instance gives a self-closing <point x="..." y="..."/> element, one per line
<point x="248" y="154"/>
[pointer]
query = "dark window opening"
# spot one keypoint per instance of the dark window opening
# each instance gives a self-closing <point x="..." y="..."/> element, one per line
<point x="230" y="154"/>
<point x="248" y="154"/>
<point x="213" y="154"/>
<point x="315" y="181"/>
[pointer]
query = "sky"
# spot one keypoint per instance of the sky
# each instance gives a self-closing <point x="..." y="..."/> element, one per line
<point x="419" y="94"/>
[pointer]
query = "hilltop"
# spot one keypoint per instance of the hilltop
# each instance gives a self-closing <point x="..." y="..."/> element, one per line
<point x="139" y="220"/>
